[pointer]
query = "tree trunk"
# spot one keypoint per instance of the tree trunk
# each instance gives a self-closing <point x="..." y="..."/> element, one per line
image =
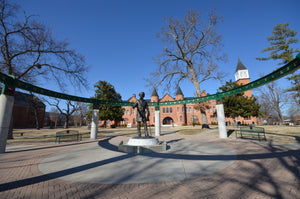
<point x="280" y="115"/>
<point x="297" y="85"/>
<point x="204" y="118"/>
<point x="37" y="123"/>
<point x="203" y="113"/>
<point x="10" y="130"/>
<point x="67" y="122"/>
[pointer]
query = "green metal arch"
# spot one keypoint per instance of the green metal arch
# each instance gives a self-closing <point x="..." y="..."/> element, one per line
<point x="277" y="74"/>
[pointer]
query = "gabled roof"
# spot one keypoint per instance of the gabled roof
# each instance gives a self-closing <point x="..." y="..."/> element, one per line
<point x="26" y="100"/>
<point x="240" y="66"/>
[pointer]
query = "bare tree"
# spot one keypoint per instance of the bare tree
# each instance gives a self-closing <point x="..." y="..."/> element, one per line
<point x="67" y="112"/>
<point x="191" y="53"/>
<point x="37" y="105"/>
<point x="28" y="50"/>
<point x="82" y="112"/>
<point x="54" y="116"/>
<point x="274" y="99"/>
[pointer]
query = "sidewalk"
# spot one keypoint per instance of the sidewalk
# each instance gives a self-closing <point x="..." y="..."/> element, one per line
<point x="260" y="170"/>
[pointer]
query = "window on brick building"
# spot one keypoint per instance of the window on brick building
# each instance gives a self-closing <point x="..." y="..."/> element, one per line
<point x="171" y="110"/>
<point x="177" y="109"/>
<point x="164" y="110"/>
<point x="247" y="118"/>
<point x="180" y="118"/>
<point x="167" y="110"/>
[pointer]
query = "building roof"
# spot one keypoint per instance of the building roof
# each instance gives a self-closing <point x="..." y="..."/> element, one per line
<point x="24" y="99"/>
<point x="154" y="93"/>
<point x="240" y="66"/>
<point x="179" y="91"/>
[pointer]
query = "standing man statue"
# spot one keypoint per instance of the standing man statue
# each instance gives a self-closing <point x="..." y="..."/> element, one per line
<point x="142" y="114"/>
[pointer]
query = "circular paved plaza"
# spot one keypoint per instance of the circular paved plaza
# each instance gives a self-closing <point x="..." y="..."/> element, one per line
<point x="193" y="167"/>
<point x="102" y="163"/>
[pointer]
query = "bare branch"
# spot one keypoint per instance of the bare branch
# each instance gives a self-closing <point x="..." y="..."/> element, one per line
<point x="27" y="46"/>
<point x="191" y="51"/>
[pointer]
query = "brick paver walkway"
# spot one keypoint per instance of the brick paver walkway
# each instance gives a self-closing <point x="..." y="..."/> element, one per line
<point x="262" y="170"/>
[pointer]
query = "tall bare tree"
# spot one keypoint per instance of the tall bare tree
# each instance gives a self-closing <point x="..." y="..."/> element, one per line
<point x="29" y="51"/>
<point x="193" y="49"/>
<point x="274" y="99"/>
<point x="38" y="105"/>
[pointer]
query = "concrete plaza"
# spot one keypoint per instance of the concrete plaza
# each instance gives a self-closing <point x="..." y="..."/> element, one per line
<point x="193" y="167"/>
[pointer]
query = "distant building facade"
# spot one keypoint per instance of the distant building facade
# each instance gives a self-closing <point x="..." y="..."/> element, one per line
<point x="186" y="113"/>
<point x="24" y="111"/>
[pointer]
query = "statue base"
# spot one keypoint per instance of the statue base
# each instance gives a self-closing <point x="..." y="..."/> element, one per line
<point x="143" y="145"/>
<point x="142" y="141"/>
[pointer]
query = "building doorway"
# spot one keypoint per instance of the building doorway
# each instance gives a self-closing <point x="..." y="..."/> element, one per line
<point x="168" y="120"/>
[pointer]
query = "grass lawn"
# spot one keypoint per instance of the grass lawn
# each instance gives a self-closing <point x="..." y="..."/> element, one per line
<point x="283" y="134"/>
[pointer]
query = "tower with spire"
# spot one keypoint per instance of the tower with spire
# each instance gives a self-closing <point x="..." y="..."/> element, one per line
<point x="242" y="76"/>
<point x="154" y="96"/>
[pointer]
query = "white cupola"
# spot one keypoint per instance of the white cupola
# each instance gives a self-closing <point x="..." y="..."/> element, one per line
<point x="241" y="71"/>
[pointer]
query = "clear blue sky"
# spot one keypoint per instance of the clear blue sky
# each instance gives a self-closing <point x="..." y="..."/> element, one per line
<point x="118" y="37"/>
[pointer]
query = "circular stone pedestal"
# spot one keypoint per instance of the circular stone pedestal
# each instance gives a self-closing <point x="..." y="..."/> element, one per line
<point x="143" y="145"/>
<point x="142" y="141"/>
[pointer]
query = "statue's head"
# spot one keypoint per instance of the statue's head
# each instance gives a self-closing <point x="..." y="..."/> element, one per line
<point x="142" y="95"/>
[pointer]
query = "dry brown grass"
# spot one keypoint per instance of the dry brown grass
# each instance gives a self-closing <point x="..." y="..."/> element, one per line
<point x="283" y="134"/>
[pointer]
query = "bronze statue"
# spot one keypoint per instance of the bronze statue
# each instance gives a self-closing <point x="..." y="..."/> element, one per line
<point x="143" y="114"/>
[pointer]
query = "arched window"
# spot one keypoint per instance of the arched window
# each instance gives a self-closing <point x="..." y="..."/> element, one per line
<point x="171" y="110"/>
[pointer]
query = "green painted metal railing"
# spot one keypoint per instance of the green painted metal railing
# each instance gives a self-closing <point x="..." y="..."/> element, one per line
<point x="277" y="74"/>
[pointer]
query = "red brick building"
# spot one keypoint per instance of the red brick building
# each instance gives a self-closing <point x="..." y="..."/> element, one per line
<point x="24" y="111"/>
<point x="186" y="113"/>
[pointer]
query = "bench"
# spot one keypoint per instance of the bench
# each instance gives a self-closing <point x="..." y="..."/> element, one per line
<point x="251" y="132"/>
<point x="67" y="135"/>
